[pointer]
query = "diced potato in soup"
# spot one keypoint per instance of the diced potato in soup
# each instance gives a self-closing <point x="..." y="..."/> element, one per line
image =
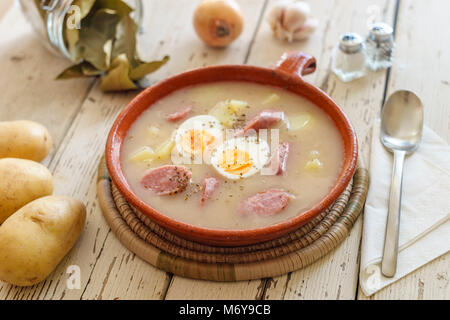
<point x="143" y="154"/>
<point x="237" y="165"/>
<point x="164" y="149"/>
<point x="314" y="165"/>
<point x="300" y="121"/>
<point x="271" y="98"/>
<point x="228" y="112"/>
<point x="153" y="131"/>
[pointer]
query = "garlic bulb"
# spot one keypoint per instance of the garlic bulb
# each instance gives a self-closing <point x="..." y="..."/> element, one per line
<point x="291" y="20"/>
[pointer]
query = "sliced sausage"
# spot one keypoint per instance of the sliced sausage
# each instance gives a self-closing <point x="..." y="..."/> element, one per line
<point x="166" y="180"/>
<point x="209" y="185"/>
<point x="180" y="114"/>
<point x="279" y="159"/>
<point x="265" y="203"/>
<point x="265" y="119"/>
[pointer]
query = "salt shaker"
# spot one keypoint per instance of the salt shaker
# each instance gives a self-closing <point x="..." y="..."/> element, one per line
<point x="349" y="58"/>
<point x="380" y="46"/>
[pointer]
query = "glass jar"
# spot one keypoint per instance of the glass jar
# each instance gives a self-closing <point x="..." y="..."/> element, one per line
<point x="48" y="16"/>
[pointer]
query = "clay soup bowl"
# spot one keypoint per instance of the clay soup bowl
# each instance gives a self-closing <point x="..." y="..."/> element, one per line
<point x="288" y="75"/>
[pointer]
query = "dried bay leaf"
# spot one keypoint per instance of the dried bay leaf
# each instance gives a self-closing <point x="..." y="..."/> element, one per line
<point x="117" y="77"/>
<point x="117" y="5"/>
<point x="107" y="49"/>
<point x="125" y="31"/>
<point x="72" y="38"/>
<point x="72" y="35"/>
<point x="125" y="41"/>
<point x="105" y="46"/>
<point x="95" y="34"/>
<point x="84" y="5"/>
<point x="105" y="22"/>
<point x="74" y="71"/>
<point x="89" y="70"/>
<point x="76" y="53"/>
<point x="145" y="68"/>
<point x="82" y="69"/>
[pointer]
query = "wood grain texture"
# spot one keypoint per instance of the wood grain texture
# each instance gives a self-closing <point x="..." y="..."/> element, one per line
<point x="29" y="90"/>
<point x="183" y="288"/>
<point x="422" y="65"/>
<point x="5" y="5"/>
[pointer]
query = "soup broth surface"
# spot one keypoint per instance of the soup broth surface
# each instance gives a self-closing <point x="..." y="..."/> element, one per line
<point x="314" y="160"/>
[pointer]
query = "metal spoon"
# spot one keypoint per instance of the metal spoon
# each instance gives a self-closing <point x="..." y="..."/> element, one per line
<point x="401" y="132"/>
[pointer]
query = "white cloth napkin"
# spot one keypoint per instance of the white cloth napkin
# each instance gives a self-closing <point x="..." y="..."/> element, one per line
<point x="425" y="216"/>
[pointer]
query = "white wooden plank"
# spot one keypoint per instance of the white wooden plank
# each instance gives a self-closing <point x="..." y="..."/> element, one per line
<point x="27" y="79"/>
<point x="182" y="288"/>
<point x="422" y="65"/>
<point x="4" y="7"/>
<point x="335" y="275"/>
<point x="125" y="277"/>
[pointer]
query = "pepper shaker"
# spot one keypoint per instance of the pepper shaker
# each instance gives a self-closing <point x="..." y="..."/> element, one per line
<point x="349" y="58"/>
<point x="380" y="46"/>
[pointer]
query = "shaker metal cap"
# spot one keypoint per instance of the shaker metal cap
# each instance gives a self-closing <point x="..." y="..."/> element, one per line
<point x="350" y="42"/>
<point x="380" y="31"/>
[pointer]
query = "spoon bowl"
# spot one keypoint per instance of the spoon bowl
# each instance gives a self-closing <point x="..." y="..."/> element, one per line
<point x="401" y="133"/>
<point x="402" y="121"/>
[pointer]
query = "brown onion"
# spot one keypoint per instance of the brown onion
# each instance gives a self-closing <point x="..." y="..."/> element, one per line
<point x="218" y="22"/>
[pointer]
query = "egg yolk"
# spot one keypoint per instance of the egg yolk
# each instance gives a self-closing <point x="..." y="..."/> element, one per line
<point x="235" y="161"/>
<point x="196" y="140"/>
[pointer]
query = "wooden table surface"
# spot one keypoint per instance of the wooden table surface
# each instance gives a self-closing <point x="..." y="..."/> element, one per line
<point x="79" y="116"/>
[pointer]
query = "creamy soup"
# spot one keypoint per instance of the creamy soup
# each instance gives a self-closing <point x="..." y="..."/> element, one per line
<point x="219" y="183"/>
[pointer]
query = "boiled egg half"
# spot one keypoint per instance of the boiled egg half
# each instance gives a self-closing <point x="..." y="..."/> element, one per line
<point x="197" y="134"/>
<point x="241" y="157"/>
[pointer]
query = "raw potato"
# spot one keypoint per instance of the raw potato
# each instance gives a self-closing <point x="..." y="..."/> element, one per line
<point x="36" y="238"/>
<point x="21" y="181"/>
<point x="24" y="139"/>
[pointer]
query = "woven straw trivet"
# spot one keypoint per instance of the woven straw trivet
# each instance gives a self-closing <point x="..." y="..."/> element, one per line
<point x="171" y="253"/>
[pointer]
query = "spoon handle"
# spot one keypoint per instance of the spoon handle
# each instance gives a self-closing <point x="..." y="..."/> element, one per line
<point x="390" y="252"/>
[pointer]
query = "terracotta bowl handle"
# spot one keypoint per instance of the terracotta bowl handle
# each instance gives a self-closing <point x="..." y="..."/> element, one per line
<point x="297" y="62"/>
